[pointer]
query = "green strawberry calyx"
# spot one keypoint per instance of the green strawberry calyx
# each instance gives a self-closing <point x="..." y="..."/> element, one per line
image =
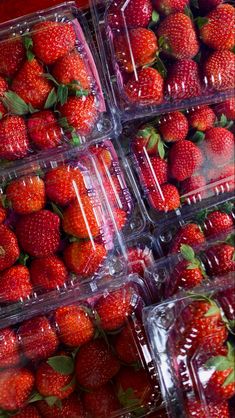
<point x="154" y="139"/>
<point x="28" y="44"/>
<point x="201" y="21"/>
<point x="16" y="105"/>
<point x="223" y="363"/>
<point x="127" y="398"/>
<point x="62" y="364"/>
<point x="59" y="94"/>
<point x="189" y="255"/>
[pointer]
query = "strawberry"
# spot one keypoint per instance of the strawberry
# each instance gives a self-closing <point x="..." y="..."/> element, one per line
<point x="103" y="156"/>
<point x="146" y="87"/>
<point x="60" y="184"/>
<point x="189" y="234"/>
<point x="196" y="409"/>
<point x="193" y="188"/>
<point x="125" y="346"/>
<point x="224" y="180"/>
<point x="183" y="81"/>
<point x="226" y="299"/>
<point x="3" y="110"/>
<point x="167" y="7"/>
<point x="12" y="54"/>
<point x="177" y="36"/>
<point x="38" y="340"/>
<point x="217" y="223"/>
<point x="84" y="258"/>
<point x="52" y="40"/>
<point x="14" y="141"/>
<point x="166" y="199"/>
<point x="147" y="139"/>
<point x="113" y="190"/>
<point x="9" y="250"/>
<point x="206" y="6"/>
<point x="173" y="127"/>
<point x="120" y="217"/>
<point x="219" y="145"/>
<point x="15" y="388"/>
<point x="70" y="408"/>
<point x="219" y="70"/>
<point x="219" y="259"/>
<point x="30" y="84"/>
<point x="140" y="49"/>
<point x="74" y="326"/>
<point x="9" y="348"/>
<point x="71" y="68"/>
<point x="38" y="233"/>
<point x="3" y="87"/>
<point x="137" y="13"/>
<point x="81" y="113"/>
<point x="114" y="308"/>
<point x="185" y="159"/>
<point x="15" y="284"/>
<point x="95" y="364"/>
<point x="29" y="411"/>
<point x="133" y="386"/>
<point x="48" y="273"/>
<point x="226" y="108"/>
<point x="218" y="32"/>
<point x="54" y="377"/>
<point x="201" y="118"/>
<point x="44" y="130"/>
<point x="26" y="194"/>
<point x="102" y="402"/>
<point x="80" y="218"/>
<point x="139" y="259"/>
<point x="3" y="213"/>
<point x="154" y="172"/>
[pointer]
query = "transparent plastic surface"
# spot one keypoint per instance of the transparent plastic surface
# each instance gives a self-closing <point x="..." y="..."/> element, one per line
<point x="51" y="85"/>
<point x="87" y="356"/>
<point x="193" y="348"/>
<point x="161" y="55"/>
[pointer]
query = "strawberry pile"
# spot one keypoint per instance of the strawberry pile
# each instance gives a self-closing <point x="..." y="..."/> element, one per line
<point x="80" y="361"/>
<point x="47" y="91"/>
<point x="184" y="157"/>
<point x="172" y="50"/>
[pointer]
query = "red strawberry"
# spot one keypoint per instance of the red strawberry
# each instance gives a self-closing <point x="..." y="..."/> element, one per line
<point x="3" y="86"/>
<point x="15" y="388"/>
<point x="74" y="326"/>
<point x="193" y="189"/>
<point x="226" y="108"/>
<point x="26" y="194"/>
<point x="114" y="308"/>
<point x="218" y="32"/>
<point x="3" y="213"/>
<point x="102" y="402"/>
<point x="29" y="411"/>
<point x="12" y="54"/>
<point x="185" y="159"/>
<point x="201" y="118"/>
<point x="166" y="199"/>
<point x="95" y="364"/>
<point x="80" y="218"/>
<point x="60" y="184"/>
<point x="139" y="259"/>
<point x="140" y="49"/>
<point x="177" y="36"/>
<point x="219" y="145"/>
<point x="183" y="81"/>
<point x="48" y="273"/>
<point x="154" y="172"/>
<point x="52" y="40"/>
<point x="9" y="250"/>
<point x="38" y="233"/>
<point x="189" y="234"/>
<point x="217" y="223"/>
<point x="196" y="409"/>
<point x="137" y="13"/>
<point x="219" y="259"/>
<point x="133" y="386"/>
<point x="81" y="113"/>
<point x="9" y="348"/>
<point x="219" y="70"/>
<point x="14" y="141"/>
<point x="125" y="346"/>
<point x="54" y="377"/>
<point x="70" y="408"/>
<point x="120" y="217"/>
<point x="167" y="7"/>
<point x="30" y="84"/>
<point x="71" y="68"/>
<point x="147" y="140"/>
<point x="84" y="258"/>
<point x="147" y="87"/>
<point x="173" y="127"/>
<point x="44" y="130"/>
<point x="224" y="180"/>
<point x="38" y="340"/>
<point x="113" y="190"/>
<point x="226" y="299"/>
<point x="3" y="110"/>
<point x="104" y="157"/>
<point x="15" y="284"/>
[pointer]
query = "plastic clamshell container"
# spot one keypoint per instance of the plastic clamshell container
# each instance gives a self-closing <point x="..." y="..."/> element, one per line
<point x="184" y="351"/>
<point x="53" y="92"/>
<point x="152" y="65"/>
<point x="77" y="342"/>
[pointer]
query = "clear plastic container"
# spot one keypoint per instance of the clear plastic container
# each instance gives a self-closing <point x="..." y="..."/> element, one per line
<point x="160" y="57"/>
<point x="52" y="92"/>
<point x="193" y="349"/>
<point x="87" y="356"/>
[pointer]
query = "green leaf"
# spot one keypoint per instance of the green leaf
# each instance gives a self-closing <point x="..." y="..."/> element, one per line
<point x="198" y="137"/>
<point x="223" y="121"/>
<point x="51" y="99"/>
<point x="76" y="140"/>
<point x="145" y="133"/>
<point x="188" y="12"/>
<point x="51" y="400"/>
<point x="127" y="398"/>
<point x="187" y="252"/>
<point x="23" y="259"/>
<point x="28" y="44"/>
<point x="70" y="385"/>
<point x="201" y="21"/>
<point x="57" y="210"/>
<point x="219" y="363"/>
<point x="155" y="16"/>
<point x="62" y="94"/>
<point x="35" y="397"/>
<point x="198" y="57"/>
<point x="213" y="310"/>
<point x="160" y="67"/>
<point x="15" y="104"/>
<point x="61" y="364"/>
<point x="51" y="78"/>
<point x="161" y="149"/>
<point x="230" y="379"/>
<point x="231" y="240"/>
<point x="153" y="140"/>
<point x="81" y="92"/>
<point x="63" y="122"/>
<point x="1" y="115"/>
